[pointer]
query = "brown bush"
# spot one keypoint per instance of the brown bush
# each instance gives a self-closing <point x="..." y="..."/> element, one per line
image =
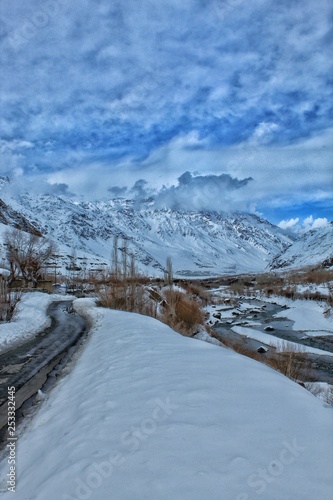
<point x="318" y="276"/>
<point x="197" y="291"/>
<point x="289" y="292"/>
<point x="188" y="314"/>
<point x="182" y="313"/>
<point x="291" y="361"/>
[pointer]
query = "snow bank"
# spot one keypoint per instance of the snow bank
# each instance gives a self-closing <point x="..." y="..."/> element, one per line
<point x="307" y="314"/>
<point x="319" y="333"/>
<point x="149" y="414"/>
<point x="267" y="339"/>
<point x="29" y="318"/>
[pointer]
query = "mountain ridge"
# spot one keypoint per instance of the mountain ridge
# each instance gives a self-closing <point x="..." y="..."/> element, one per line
<point x="306" y="250"/>
<point x="199" y="243"/>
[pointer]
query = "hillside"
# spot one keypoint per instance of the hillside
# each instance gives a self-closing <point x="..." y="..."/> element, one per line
<point x="312" y="248"/>
<point x="199" y="243"/>
<point x="10" y="217"/>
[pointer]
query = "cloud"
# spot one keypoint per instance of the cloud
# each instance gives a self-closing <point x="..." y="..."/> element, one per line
<point x="57" y="189"/>
<point x="19" y="184"/>
<point x="297" y="226"/>
<point x="117" y="191"/>
<point x="140" y="190"/>
<point x="288" y="224"/>
<point x="102" y="94"/>
<point x="311" y="223"/>
<point x="141" y="75"/>
<point x="192" y="192"/>
<point x="203" y="192"/>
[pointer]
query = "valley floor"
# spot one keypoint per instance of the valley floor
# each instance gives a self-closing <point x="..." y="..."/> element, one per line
<point x="148" y="414"/>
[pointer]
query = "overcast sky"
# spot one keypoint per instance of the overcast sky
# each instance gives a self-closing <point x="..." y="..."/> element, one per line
<point x="211" y="104"/>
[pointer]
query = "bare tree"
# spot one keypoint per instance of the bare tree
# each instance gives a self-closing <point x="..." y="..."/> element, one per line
<point x="27" y="255"/>
<point x="124" y="250"/>
<point x="168" y="279"/>
<point x="168" y="275"/>
<point x="133" y="284"/>
<point x="114" y="257"/>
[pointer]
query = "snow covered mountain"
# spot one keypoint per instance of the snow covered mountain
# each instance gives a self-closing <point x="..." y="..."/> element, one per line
<point x="10" y="217"/>
<point x="312" y="248"/>
<point x="199" y="243"/>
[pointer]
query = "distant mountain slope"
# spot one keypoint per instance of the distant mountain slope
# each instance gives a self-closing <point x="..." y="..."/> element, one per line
<point x="10" y="217"/>
<point x="199" y="243"/>
<point x="312" y="248"/>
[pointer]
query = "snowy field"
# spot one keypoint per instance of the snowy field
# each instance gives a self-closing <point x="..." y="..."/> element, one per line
<point x="308" y="315"/>
<point x="147" y="414"/>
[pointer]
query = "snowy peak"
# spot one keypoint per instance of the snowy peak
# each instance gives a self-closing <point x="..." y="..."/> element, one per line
<point x="312" y="248"/>
<point x="199" y="243"/>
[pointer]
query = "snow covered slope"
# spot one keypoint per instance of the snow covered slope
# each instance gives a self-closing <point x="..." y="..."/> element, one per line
<point x="199" y="243"/>
<point x="312" y="248"/>
<point x="10" y="217"/>
<point x="148" y="414"/>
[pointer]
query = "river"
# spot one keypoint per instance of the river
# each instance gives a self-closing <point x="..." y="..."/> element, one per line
<point x="261" y="316"/>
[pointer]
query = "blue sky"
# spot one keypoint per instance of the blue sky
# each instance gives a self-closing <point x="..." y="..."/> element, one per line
<point x="97" y="96"/>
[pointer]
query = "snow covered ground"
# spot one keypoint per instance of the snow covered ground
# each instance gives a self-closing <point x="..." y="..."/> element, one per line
<point x="148" y="414"/>
<point x="268" y="339"/>
<point x="323" y="288"/>
<point x="308" y="315"/>
<point x="29" y="318"/>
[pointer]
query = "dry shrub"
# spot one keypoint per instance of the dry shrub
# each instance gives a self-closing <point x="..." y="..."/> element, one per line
<point x="329" y="396"/>
<point x="308" y="295"/>
<point x="324" y="393"/>
<point x="237" y="288"/>
<point x="8" y="303"/>
<point x="196" y="290"/>
<point x="188" y="314"/>
<point x="291" y="361"/>
<point x="182" y="313"/>
<point x="318" y="276"/>
<point x="131" y="297"/>
<point x="273" y="290"/>
<point x="289" y="292"/>
<point x="240" y="348"/>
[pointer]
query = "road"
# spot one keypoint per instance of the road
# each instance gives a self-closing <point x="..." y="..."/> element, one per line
<point x="26" y="367"/>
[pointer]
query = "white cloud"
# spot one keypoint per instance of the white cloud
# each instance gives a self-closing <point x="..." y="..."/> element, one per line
<point x="298" y="226"/>
<point x="287" y="224"/>
<point x="170" y="87"/>
<point x="311" y="223"/>
<point x="263" y="133"/>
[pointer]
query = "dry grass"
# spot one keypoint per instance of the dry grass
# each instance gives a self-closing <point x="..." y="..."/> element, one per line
<point x="291" y="361"/>
<point x="326" y="394"/>
<point x="8" y="303"/>
<point x="188" y="314"/>
<point x="284" y="285"/>
<point x="182" y="313"/>
<point x="131" y="297"/>
<point x="196" y="290"/>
